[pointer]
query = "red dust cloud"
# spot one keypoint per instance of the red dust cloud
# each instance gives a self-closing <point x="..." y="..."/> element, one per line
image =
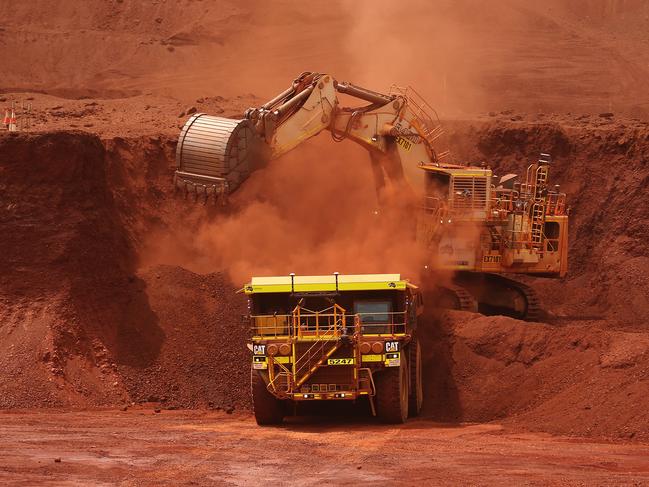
<point x="312" y="211"/>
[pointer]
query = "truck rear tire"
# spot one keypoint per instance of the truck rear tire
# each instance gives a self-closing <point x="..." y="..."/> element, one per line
<point x="392" y="393"/>
<point x="267" y="408"/>
<point x="416" y="384"/>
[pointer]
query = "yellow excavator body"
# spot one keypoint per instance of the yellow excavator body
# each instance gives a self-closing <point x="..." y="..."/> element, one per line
<point x="470" y="222"/>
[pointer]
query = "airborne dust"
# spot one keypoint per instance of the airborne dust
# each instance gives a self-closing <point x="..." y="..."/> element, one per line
<point x="312" y="211"/>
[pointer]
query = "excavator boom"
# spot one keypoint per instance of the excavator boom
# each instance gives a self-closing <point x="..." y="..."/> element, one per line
<point x="396" y="129"/>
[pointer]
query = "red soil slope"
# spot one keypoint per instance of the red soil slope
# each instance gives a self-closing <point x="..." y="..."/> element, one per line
<point x="464" y="56"/>
<point x="580" y="378"/>
<point x="79" y="326"/>
<point x="83" y="324"/>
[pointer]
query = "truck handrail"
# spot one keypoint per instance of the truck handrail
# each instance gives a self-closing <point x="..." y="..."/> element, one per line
<point x="326" y="325"/>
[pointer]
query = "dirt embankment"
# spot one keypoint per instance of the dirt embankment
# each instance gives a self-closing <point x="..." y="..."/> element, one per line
<point x="579" y="379"/>
<point x="79" y="326"/>
<point x="83" y="325"/>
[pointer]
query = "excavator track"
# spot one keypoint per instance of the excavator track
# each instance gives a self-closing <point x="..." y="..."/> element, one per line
<point x="497" y="294"/>
<point x="453" y="296"/>
<point x="533" y="311"/>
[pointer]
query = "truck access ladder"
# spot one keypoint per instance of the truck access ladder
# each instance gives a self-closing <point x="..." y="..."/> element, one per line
<point x="321" y="331"/>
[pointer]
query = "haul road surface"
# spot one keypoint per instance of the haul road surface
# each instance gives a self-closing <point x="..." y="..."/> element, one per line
<point x="141" y="447"/>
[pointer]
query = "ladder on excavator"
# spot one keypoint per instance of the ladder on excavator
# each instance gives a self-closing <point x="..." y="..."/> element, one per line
<point x="538" y="208"/>
<point x="538" y="211"/>
<point x="430" y="219"/>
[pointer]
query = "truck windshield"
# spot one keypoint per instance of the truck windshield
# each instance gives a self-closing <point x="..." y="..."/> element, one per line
<point x="373" y="311"/>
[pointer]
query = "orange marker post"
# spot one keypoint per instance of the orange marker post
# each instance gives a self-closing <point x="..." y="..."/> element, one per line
<point x="6" y="119"/>
<point x="12" y="121"/>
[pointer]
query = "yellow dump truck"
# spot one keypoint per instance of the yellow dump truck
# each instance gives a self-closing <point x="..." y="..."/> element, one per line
<point x="335" y="338"/>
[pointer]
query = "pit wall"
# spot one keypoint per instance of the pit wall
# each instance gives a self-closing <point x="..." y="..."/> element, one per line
<point x="81" y="324"/>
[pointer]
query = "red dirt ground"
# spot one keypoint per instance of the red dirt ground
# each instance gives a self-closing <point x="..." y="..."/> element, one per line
<point x="116" y="292"/>
<point x="209" y="448"/>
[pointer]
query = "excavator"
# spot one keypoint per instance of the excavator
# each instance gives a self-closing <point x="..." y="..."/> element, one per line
<point x="477" y="227"/>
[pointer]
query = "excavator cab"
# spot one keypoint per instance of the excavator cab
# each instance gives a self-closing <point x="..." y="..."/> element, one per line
<point x="455" y="203"/>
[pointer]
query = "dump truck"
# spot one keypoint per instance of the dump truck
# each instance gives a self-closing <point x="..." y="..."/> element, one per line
<point x="480" y="227"/>
<point x="335" y="338"/>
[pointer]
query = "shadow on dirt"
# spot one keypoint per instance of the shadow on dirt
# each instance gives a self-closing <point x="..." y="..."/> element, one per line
<point x="441" y="398"/>
<point x="68" y="238"/>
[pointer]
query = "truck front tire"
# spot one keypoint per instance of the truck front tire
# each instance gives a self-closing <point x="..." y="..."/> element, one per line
<point x="392" y="393"/>
<point x="267" y="408"/>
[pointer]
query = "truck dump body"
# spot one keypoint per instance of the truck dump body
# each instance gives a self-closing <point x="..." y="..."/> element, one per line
<point x="330" y="337"/>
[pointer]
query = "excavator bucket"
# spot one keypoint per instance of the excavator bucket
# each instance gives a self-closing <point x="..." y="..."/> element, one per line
<point x="215" y="155"/>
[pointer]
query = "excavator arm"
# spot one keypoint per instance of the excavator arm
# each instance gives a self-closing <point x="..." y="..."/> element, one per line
<point x="397" y="130"/>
